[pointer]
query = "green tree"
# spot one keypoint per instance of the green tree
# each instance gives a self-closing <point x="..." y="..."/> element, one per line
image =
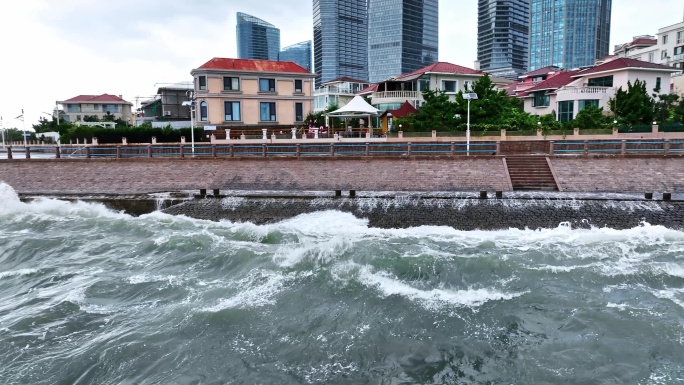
<point x="665" y="107"/>
<point x="492" y="106"/>
<point x="590" y="117"/>
<point x="633" y="106"/>
<point x="438" y="113"/>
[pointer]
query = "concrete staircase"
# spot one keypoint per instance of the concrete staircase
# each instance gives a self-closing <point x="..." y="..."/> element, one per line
<point x="530" y="173"/>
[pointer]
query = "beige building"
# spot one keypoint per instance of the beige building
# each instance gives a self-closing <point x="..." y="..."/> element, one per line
<point x="243" y="93"/>
<point x="77" y="108"/>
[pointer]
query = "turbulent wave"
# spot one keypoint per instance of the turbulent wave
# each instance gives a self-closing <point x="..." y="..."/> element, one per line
<point x="95" y="296"/>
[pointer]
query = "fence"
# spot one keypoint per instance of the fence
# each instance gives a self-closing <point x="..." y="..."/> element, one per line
<point x="339" y="149"/>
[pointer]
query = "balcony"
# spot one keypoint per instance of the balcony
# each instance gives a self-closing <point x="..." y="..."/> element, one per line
<point x="677" y="58"/>
<point x="586" y="90"/>
<point x="335" y="90"/>
<point x="404" y="95"/>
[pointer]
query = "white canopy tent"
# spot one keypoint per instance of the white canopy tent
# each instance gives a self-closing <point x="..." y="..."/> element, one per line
<point x="356" y="108"/>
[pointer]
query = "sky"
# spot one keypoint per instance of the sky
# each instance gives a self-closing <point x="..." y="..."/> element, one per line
<point x="54" y="50"/>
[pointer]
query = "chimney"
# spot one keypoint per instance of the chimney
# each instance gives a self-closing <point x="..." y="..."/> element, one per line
<point x="120" y="97"/>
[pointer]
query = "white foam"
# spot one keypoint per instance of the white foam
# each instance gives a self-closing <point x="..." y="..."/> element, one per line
<point x="13" y="273"/>
<point x="432" y="299"/>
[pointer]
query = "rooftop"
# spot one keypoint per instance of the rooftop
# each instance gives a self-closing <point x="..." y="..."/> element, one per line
<point x="104" y="98"/>
<point x="624" y="63"/>
<point x="219" y="63"/>
<point x="555" y="82"/>
<point x="346" y="79"/>
<point x="440" y="67"/>
<point x="541" y="71"/>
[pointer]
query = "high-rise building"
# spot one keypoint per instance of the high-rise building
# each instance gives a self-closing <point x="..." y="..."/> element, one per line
<point x="503" y="37"/>
<point x="340" y="30"/>
<point x="299" y="53"/>
<point x="257" y="39"/>
<point x="568" y="34"/>
<point x="402" y="36"/>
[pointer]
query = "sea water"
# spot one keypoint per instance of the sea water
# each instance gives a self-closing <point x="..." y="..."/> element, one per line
<point x="92" y="296"/>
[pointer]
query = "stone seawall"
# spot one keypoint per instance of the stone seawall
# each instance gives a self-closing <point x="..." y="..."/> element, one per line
<point x="459" y="213"/>
<point x="460" y="173"/>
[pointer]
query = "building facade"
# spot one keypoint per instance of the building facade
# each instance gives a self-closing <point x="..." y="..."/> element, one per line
<point x="167" y="105"/>
<point x="340" y="30"/>
<point x="566" y="93"/>
<point x="667" y="47"/>
<point x="568" y="34"/>
<point x="337" y="92"/>
<point x="251" y="93"/>
<point x="402" y="36"/>
<point x="503" y="37"/>
<point x="98" y="106"/>
<point x="299" y="53"/>
<point x="256" y="39"/>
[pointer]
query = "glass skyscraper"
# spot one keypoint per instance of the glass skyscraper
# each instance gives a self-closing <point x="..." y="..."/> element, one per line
<point x="568" y="33"/>
<point x="256" y="39"/>
<point x="402" y="36"/>
<point x="340" y="30"/>
<point x="503" y="37"/>
<point x="299" y="53"/>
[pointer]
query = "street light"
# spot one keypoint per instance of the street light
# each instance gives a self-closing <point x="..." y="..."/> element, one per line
<point x="468" y="97"/>
<point x="191" y="103"/>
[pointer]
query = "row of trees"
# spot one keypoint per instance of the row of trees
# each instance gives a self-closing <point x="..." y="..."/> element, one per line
<point x="495" y="109"/>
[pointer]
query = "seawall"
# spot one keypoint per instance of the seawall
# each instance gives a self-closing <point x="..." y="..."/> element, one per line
<point x="458" y="212"/>
<point x="458" y="173"/>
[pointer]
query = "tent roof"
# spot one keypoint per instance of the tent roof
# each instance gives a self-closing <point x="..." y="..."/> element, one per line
<point x="357" y="105"/>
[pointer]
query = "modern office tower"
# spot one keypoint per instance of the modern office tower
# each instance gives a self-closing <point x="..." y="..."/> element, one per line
<point x="257" y="39"/>
<point x="503" y="37"/>
<point x="340" y="30"/>
<point x="299" y="53"/>
<point x="568" y="34"/>
<point x="402" y="36"/>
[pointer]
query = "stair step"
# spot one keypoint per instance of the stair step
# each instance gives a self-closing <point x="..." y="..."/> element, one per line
<point x="530" y="173"/>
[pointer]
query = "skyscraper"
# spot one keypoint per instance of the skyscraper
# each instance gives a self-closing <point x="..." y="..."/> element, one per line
<point x="299" y="53"/>
<point x="340" y="29"/>
<point x="402" y="36"/>
<point x="568" y="34"/>
<point x="503" y="36"/>
<point x="257" y="39"/>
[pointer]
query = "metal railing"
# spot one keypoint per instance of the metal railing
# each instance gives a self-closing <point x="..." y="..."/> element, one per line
<point x="587" y="90"/>
<point x="397" y="94"/>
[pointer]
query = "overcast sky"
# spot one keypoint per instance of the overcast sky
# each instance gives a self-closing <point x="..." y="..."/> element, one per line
<point x="54" y="50"/>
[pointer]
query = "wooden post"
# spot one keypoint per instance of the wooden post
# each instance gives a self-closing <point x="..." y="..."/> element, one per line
<point x="332" y="149"/>
<point x="666" y="146"/>
<point x="298" y="150"/>
<point x="367" y="149"/>
<point x="623" y="147"/>
<point x="88" y="152"/>
<point x="118" y="152"/>
<point x="230" y="150"/>
<point x="149" y="151"/>
<point x="586" y="148"/>
<point x="213" y="150"/>
<point x="408" y="148"/>
<point x="498" y="147"/>
<point x="58" y="153"/>
<point x="551" y="147"/>
<point x="263" y="150"/>
<point x="28" y="152"/>
<point x="453" y="148"/>
<point x="182" y="151"/>
<point x="9" y="152"/>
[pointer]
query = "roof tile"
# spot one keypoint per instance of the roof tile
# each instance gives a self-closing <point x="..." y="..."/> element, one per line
<point x="96" y="98"/>
<point x="442" y="67"/>
<point x="624" y="63"/>
<point x="219" y="63"/>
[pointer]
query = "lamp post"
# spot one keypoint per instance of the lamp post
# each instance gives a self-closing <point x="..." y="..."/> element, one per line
<point x="191" y="104"/>
<point x="469" y="96"/>
<point x="2" y="131"/>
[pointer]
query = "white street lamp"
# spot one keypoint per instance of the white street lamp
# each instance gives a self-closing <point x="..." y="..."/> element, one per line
<point x="191" y="103"/>
<point x="468" y="97"/>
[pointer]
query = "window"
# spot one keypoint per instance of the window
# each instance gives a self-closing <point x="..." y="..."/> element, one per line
<point x="231" y="84"/>
<point x="73" y="108"/>
<point x="268" y="112"/>
<point x="423" y="84"/>
<point x="467" y="85"/>
<point x="202" y="80"/>
<point x="298" y="86"/>
<point x="604" y="81"/>
<point x="78" y="117"/>
<point x="663" y="54"/>
<point x="541" y="99"/>
<point x="96" y="107"/>
<point x="111" y="108"/>
<point x="299" y="112"/>
<point x="232" y="111"/>
<point x="267" y="85"/>
<point x="664" y="39"/>
<point x="449" y="85"/>
<point x="587" y="103"/>
<point x="565" y="110"/>
<point x="680" y="37"/>
<point x="651" y="56"/>
<point x="203" y="112"/>
<point x="658" y="81"/>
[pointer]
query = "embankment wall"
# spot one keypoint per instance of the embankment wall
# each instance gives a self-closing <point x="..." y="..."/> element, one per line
<point x="459" y="173"/>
